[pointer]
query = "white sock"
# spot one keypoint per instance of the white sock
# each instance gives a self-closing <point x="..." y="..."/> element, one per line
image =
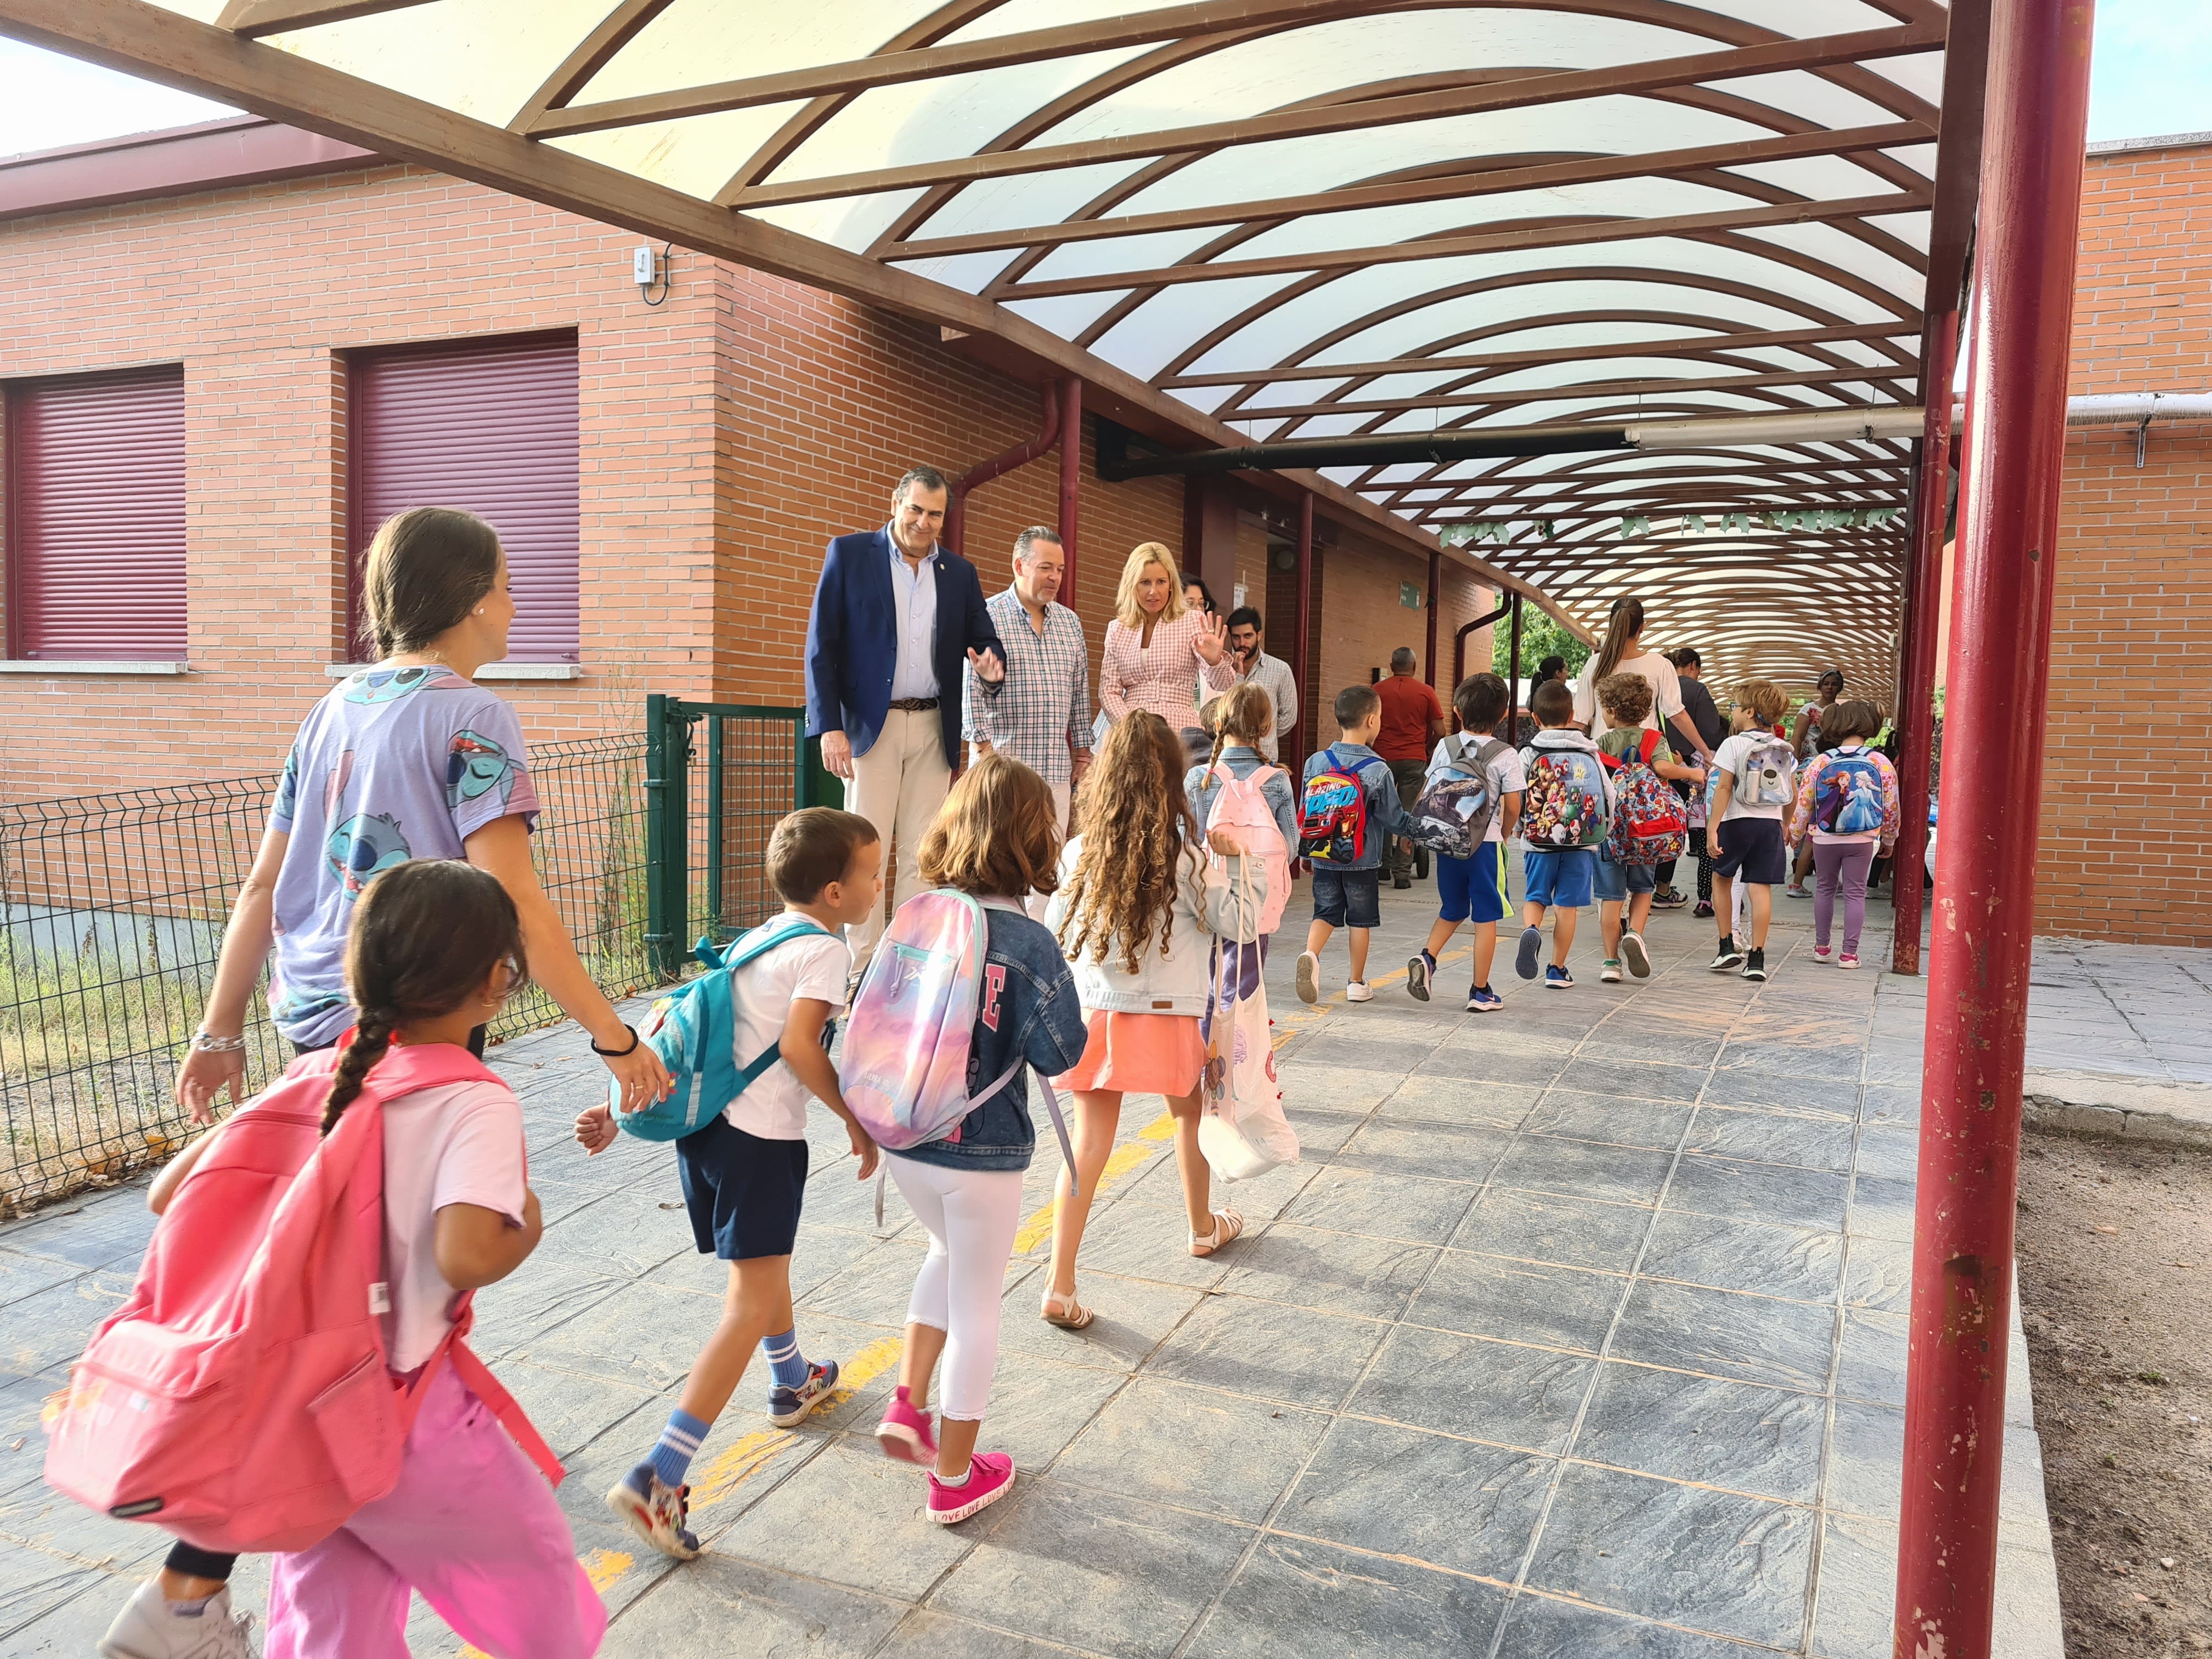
<point x="960" y="1479"/>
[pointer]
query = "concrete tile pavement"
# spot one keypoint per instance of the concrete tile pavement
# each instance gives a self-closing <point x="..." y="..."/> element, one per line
<point x="1580" y="1330"/>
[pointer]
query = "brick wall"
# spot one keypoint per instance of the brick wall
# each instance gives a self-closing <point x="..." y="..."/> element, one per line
<point x="2121" y="848"/>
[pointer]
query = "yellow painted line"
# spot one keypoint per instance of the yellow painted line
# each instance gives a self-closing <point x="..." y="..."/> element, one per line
<point x="749" y="1454"/>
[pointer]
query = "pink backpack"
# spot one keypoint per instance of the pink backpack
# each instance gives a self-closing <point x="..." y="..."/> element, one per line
<point x="1241" y="807"/>
<point x="239" y="1398"/>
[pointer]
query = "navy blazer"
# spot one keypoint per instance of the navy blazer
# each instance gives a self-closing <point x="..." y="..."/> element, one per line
<point x="851" y="645"/>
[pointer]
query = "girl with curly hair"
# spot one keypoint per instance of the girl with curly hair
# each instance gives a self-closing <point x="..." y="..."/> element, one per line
<point x="1139" y="912"/>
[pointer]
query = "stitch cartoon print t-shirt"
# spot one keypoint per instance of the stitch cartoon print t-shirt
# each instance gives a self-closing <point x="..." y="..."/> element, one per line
<point x="394" y="763"/>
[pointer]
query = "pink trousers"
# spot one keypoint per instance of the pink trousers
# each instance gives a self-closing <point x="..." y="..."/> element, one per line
<point x="472" y="1525"/>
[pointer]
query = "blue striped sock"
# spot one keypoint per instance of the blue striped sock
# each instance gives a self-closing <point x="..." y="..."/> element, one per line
<point x="679" y="1445"/>
<point x="785" y="1359"/>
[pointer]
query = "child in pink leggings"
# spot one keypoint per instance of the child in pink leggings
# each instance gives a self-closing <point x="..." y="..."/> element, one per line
<point x="1847" y="803"/>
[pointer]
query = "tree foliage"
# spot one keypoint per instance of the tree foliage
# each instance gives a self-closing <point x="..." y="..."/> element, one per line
<point x="1541" y="636"/>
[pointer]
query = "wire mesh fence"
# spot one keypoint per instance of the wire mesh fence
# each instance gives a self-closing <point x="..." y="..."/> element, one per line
<point x="112" y="912"/>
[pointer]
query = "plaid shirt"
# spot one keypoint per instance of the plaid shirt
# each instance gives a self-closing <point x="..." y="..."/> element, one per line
<point x="1042" y="715"/>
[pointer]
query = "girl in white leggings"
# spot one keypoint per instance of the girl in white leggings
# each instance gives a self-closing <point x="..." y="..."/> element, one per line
<point x="998" y="839"/>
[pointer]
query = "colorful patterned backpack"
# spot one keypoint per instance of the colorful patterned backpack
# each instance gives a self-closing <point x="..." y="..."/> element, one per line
<point x="1564" y="806"/>
<point x="1648" y="827"/>
<point x="1848" y="794"/>
<point x="1333" y="820"/>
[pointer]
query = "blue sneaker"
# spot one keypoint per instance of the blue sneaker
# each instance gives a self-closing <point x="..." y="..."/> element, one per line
<point x="1557" y="978"/>
<point x="1484" y="1000"/>
<point x="1416" y="975"/>
<point x="787" y="1407"/>
<point x="1532" y="946"/>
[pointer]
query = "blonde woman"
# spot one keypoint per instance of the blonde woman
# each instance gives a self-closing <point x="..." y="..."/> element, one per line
<point x="1156" y="645"/>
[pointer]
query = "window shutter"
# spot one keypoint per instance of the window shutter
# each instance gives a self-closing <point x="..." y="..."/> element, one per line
<point x="95" y="534"/>
<point x="489" y="426"/>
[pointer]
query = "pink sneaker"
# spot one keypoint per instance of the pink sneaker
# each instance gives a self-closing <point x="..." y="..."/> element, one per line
<point x="904" y="1433"/>
<point x="1821" y="953"/>
<point x="990" y="1476"/>
<point x="1847" y="961"/>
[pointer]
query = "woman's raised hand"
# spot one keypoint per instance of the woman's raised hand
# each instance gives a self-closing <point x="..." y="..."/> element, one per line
<point x="1213" y="639"/>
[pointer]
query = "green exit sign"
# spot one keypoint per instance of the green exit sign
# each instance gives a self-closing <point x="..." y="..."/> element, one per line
<point x="1409" y="596"/>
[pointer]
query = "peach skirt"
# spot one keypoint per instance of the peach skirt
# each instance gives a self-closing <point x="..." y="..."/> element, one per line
<point x="1141" y="1054"/>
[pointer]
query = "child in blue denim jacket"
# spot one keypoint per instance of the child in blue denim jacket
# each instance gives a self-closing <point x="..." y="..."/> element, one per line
<point x="1350" y="895"/>
<point x="997" y="838"/>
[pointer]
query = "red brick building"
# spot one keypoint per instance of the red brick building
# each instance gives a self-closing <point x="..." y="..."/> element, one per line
<point x="255" y="279"/>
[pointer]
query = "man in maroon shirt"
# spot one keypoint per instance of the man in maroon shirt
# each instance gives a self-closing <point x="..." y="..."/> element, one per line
<point x="1412" y="723"/>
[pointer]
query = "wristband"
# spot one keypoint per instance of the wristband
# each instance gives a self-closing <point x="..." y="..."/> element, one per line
<point x="207" y="1042"/>
<point x="617" y="1054"/>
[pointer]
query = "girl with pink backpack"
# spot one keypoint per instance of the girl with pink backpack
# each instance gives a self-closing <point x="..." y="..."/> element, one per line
<point x="995" y="841"/>
<point x="1140" y="912"/>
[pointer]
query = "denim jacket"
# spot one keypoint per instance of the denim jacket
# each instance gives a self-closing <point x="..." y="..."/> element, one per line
<point x="1386" y="814"/>
<point x="1026" y="1010"/>
<point x="1240" y="761"/>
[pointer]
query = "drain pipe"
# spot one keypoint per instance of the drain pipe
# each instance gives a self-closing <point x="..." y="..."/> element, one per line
<point x="955" y="507"/>
<point x="2138" y="409"/>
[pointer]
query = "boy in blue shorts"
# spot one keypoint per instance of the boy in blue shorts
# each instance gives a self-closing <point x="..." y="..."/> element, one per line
<point x="1562" y="776"/>
<point x="1473" y="889"/>
<point x="1350" y="895"/>
<point x="744" y="1172"/>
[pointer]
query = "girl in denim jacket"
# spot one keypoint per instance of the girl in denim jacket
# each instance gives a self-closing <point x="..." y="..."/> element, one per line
<point x="997" y="838"/>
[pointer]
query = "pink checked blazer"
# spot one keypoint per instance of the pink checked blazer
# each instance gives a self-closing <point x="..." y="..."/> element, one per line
<point x="1164" y="679"/>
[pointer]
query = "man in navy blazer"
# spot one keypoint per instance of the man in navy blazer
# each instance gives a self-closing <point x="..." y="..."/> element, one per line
<point x="895" y="617"/>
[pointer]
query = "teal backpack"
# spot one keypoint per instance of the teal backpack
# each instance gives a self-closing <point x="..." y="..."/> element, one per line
<point x="694" y="1030"/>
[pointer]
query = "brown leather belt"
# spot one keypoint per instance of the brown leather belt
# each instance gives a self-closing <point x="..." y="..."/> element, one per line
<point x="915" y="705"/>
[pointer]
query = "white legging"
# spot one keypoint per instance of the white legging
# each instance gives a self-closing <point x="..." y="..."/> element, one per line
<point x="972" y="1216"/>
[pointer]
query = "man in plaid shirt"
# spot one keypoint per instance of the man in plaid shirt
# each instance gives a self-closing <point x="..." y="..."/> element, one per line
<point x="1042" y="717"/>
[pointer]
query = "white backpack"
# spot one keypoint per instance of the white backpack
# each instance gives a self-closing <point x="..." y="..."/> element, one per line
<point x="1768" y="776"/>
<point x="1241" y="806"/>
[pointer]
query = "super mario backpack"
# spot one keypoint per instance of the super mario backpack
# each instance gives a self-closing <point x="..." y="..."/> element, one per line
<point x="1563" y="805"/>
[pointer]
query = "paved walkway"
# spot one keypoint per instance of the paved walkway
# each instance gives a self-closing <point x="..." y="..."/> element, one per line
<point x="1580" y="1330"/>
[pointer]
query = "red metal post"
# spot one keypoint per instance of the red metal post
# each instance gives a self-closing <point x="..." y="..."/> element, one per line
<point x="1307" y="712"/>
<point x="1916" y="712"/>
<point x="1071" y="478"/>
<point x="2015" y="429"/>
<point x="1436" y="594"/>
<point x="956" y="506"/>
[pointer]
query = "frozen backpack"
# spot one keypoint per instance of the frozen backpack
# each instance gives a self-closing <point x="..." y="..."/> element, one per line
<point x="1333" y="826"/>
<point x="1454" y="813"/>
<point x="1241" y="807"/>
<point x="1563" y="805"/>
<point x="240" y="1397"/>
<point x="907" y="1041"/>
<point x="1848" y="795"/>
<point x="693" y="1029"/>
<point x="1768" y="773"/>
<point x="1648" y="826"/>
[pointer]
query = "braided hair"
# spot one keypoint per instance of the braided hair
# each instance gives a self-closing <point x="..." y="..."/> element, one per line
<point x="426" y="936"/>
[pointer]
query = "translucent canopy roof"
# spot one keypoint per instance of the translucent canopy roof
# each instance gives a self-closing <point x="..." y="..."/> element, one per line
<point x="1279" y="219"/>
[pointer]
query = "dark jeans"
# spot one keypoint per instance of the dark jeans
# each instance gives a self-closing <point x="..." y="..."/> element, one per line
<point x="1410" y="775"/>
<point x="190" y="1559"/>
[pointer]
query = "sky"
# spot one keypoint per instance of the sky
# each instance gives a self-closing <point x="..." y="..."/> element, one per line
<point x="2152" y="75"/>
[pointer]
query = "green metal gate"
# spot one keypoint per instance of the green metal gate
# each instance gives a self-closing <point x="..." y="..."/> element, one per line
<point x="711" y="800"/>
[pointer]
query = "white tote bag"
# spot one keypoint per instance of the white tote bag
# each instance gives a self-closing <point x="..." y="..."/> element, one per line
<point x="1242" y="1131"/>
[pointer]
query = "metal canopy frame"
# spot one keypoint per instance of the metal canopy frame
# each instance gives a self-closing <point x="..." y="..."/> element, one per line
<point x="1244" y="221"/>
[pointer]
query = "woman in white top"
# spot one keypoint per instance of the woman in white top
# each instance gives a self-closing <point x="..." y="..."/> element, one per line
<point x="1622" y="652"/>
<point x="1156" y="647"/>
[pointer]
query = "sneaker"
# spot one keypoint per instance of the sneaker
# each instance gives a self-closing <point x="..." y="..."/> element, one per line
<point x="1633" y="953"/>
<point x="1821" y="953"/>
<point x="1754" y="965"/>
<point x="1703" y="912"/>
<point x="1795" y="890"/>
<point x="1557" y="978"/>
<point x="905" y="1433"/>
<point x="1416" y="977"/>
<point x="1608" y="972"/>
<point x="1355" y="990"/>
<point x="1532" y="946"/>
<point x="990" y="1476"/>
<point x="1728" y="956"/>
<point x="787" y="1407"/>
<point x="1484" y="1000"/>
<point x="1669" y="900"/>
<point x="150" y="1627"/>
<point x="655" y="1511"/>
<point x="1847" y="961"/>
<point x="1401" y="882"/>
<point x="1309" y="977"/>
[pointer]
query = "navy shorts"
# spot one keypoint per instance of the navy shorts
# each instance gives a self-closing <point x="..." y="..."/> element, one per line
<point x="1466" y="889"/>
<point x="1752" y="851"/>
<point x="1347" y="898"/>
<point x="742" y="1191"/>
<point x="1559" y="876"/>
<point x="1615" y="882"/>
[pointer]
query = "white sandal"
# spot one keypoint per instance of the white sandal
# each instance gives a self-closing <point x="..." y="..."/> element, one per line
<point x="1227" y="1226"/>
<point x="1064" y="1311"/>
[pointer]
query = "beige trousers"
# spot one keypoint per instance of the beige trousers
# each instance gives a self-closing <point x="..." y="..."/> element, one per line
<point x="898" y="786"/>
<point x="1035" y="902"/>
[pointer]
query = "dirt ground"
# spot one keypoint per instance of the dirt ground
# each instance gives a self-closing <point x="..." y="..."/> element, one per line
<point x="2116" y="1291"/>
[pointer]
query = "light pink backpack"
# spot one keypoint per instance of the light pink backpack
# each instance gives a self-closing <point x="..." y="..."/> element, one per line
<point x="239" y="1398"/>
<point x="1241" y="807"/>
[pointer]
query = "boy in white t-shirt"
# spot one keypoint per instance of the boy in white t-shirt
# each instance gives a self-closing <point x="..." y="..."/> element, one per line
<point x="744" y="1172"/>
<point x="1748" y="822"/>
<point x="1473" y="890"/>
